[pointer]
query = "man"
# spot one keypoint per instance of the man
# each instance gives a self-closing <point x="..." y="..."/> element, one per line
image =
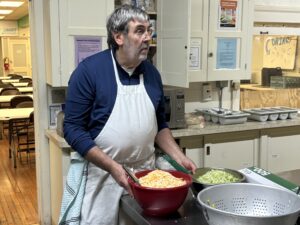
<point x="115" y="112"/>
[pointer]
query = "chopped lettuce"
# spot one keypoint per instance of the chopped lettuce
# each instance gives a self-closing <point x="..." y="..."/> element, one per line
<point x="217" y="177"/>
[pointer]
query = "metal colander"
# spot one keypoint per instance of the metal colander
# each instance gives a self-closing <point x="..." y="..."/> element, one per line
<point x="249" y="204"/>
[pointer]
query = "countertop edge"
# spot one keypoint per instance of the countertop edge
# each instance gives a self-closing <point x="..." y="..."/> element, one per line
<point x="195" y="130"/>
<point x="58" y="140"/>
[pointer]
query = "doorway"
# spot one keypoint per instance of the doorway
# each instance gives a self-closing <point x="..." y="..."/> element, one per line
<point x="19" y="55"/>
<point x="19" y="195"/>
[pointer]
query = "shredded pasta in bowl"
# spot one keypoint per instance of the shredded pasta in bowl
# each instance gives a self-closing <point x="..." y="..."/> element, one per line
<point x="161" y="179"/>
<point x="160" y="192"/>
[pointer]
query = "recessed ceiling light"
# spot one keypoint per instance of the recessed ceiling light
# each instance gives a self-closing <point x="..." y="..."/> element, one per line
<point x="10" y="3"/>
<point x="5" y="11"/>
<point x="2" y="17"/>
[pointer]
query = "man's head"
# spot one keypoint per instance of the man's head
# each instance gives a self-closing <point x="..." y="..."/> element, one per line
<point x="129" y="32"/>
<point x="118" y="22"/>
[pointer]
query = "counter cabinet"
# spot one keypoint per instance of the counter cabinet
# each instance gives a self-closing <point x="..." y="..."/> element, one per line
<point x="274" y="149"/>
<point x="233" y="150"/>
<point x="274" y="146"/>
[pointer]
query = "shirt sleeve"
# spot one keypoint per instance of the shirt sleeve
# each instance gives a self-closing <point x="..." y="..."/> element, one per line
<point x="160" y="112"/>
<point x="78" y="106"/>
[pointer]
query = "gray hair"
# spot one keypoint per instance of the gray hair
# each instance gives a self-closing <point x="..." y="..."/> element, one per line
<point x="119" y="19"/>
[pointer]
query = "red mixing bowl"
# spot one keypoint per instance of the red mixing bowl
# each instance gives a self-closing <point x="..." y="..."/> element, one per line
<point x="160" y="201"/>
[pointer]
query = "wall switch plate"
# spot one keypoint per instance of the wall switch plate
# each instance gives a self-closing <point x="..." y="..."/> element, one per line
<point x="206" y="92"/>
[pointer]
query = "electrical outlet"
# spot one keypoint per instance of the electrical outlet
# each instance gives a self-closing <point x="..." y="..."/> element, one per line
<point x="206" y="92"/>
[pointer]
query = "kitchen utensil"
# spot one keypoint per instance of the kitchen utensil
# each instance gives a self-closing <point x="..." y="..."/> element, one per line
<point x="248" y="204"/>
<point x="131" y="175"/>
<point x="176" y="165"/>
<point x="160" y="201"/>
<point x="198" y="185"/>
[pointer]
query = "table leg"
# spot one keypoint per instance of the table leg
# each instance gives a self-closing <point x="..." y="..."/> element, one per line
<point x="11" y="147"/>
<point x="9" y="137"/>
<point x="1" y="130"/>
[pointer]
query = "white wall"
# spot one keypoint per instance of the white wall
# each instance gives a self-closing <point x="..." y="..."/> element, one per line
<point x="277" y="2"/>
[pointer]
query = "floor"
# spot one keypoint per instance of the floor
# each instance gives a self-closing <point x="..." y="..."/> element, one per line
<point x="18" y="192"/>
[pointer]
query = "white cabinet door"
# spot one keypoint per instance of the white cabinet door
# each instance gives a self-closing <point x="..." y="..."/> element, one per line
<point x="196" y="155"/>
<point x="173" y="29"/>
<point x="233" y="155"/>
<point x="220" y="47"/>
<point x="234" y="150"/>
<point x="71" y="19"/>
<point x="198" y="41"/>
<point x="281" y="154"/>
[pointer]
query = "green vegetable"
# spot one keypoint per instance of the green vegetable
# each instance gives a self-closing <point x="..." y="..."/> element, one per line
<point x="217" y="177"/>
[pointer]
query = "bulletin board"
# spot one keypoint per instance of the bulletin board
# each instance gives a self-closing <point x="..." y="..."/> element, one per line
<point x="280" y="51"/>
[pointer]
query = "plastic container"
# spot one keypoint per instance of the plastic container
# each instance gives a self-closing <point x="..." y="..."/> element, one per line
<point x="272" y="113"/>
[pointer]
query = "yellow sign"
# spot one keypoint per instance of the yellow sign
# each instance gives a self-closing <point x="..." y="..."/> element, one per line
<point x="280" y="51"/>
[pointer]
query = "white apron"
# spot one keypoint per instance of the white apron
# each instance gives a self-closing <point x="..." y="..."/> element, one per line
<point x="128" y="138"/>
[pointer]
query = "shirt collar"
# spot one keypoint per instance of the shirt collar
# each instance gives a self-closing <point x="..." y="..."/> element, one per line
<point x="138" y="70"/>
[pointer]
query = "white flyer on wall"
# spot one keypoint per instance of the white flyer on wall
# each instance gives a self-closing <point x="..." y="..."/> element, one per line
<point x="195" y="55"/>
<point x="86" y="46"/>
<point x="226" y="53"/>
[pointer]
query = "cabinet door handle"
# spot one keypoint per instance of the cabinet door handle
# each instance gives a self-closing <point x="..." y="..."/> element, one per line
<point x="210" y="54"/>
<point x="207" y="150"/>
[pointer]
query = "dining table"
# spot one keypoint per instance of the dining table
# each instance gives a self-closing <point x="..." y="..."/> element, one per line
<point x="23" y="89"/>
<point x="20" y="84"/>
<point x="7" y="98"/>
<point x="11" y="115"/>
<point x="10" y="81"/>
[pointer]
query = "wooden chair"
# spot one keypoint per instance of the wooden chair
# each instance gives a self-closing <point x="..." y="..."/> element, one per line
<point x="26" y="138"/>
<point x="26" y="79"/>
<point x="9" y="91"/>
<point x="21" y="101"/>
<point x="22" y="128"/>
<point x="15" y="76"/>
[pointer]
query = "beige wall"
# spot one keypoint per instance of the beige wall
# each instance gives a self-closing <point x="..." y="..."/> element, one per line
<point x="257" y="59"/>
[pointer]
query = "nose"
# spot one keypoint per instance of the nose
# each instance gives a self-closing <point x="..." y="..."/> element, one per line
<point x="147" y="36"/>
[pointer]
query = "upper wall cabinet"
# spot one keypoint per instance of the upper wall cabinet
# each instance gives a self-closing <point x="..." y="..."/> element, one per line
<point x="221" y="36"/>
<point x="173" y="29"/>
<point x="75" y="29"/>
<point x="204" y="40"/>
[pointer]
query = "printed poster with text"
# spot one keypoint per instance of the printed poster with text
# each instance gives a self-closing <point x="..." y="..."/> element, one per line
<point x="86" y="46"/>
<point x="228" y="13"/>
<point x="280" y="51"/>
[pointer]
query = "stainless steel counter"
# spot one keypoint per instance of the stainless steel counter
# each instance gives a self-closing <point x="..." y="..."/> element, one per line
<point x="292" y="176"/>
<point x="189" y="213"/>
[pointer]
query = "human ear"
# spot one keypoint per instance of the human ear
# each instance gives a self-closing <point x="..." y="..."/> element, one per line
<point x="119" y="38"/>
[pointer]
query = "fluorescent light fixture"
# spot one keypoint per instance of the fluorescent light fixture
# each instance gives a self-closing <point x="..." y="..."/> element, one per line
<point x="2" y="17"/>
<point x="10" y="3"/>
<point x="5" y="11"/>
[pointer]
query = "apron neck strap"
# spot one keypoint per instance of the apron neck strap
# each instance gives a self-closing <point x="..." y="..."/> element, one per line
<point x="117" y="73"/>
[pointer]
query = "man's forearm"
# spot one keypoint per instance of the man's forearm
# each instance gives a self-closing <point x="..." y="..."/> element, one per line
<point x="166" y="142"/>
<point x="100" y="159"/>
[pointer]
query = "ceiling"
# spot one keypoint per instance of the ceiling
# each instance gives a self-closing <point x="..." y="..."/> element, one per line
<point x="18" y="13"/>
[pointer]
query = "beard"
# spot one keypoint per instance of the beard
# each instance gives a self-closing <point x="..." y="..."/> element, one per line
<point x="136" y="54"/>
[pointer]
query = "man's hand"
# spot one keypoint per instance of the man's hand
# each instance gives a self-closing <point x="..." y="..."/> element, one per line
<point x="102" y="160"/>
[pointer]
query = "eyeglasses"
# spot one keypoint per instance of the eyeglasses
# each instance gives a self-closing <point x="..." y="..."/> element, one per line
<point x="143" y="31"/>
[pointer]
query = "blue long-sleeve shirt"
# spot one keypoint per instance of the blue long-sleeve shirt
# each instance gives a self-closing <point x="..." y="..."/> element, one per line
<point x="92" y="93"/>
